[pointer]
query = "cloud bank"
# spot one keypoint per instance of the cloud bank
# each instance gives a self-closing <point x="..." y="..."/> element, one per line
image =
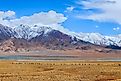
<point x="50" y="18"/>
<point x="5" y="17"/>
<point x="110" y="10"/>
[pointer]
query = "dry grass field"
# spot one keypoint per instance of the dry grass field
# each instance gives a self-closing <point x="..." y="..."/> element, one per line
<point x="60" y="71"/>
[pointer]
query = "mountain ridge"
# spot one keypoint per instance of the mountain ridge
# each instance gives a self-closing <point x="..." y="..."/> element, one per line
<point x="50" y="38"/>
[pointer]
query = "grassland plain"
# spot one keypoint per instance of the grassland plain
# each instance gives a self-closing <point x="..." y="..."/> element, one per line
<point x="60" y="71"/>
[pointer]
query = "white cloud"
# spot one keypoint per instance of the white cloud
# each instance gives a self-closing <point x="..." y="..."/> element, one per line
<point x="6" y="16"/>
<point x="97" y="26"/>
<point x="116" y="29"/>
<point x="69" y="9"/>
<point x="110" y="10"/>
<point x="42" y="18"/>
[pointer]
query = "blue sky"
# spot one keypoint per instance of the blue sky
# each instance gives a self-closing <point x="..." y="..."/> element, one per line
<point x="82" y="15"/>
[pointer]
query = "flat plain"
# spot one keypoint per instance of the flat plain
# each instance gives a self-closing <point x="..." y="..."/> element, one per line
<point x="60" y="71"/>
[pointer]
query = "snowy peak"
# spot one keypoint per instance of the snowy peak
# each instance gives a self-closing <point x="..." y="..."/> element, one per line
<point x="35" y="31"/>
<point x="99" y="39"/>
<point x="28" y="32"/>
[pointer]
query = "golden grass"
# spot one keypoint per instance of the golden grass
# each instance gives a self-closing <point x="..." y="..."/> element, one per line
<point x="60" y="71"/>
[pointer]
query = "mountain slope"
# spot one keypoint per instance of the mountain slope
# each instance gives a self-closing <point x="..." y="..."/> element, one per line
<point x="6" y="33"/>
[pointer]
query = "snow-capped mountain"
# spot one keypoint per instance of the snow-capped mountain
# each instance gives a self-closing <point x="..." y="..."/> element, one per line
<point x="28" y="32"/>
<point x="25" y="37"/>
<point x="40" y="32"/>
<point x="99" y="39"/>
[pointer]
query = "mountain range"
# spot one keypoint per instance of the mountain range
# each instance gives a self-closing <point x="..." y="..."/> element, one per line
<point x="25" y="37"/>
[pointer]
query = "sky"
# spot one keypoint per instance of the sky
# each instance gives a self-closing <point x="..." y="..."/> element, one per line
<point x="100" y="16"/>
